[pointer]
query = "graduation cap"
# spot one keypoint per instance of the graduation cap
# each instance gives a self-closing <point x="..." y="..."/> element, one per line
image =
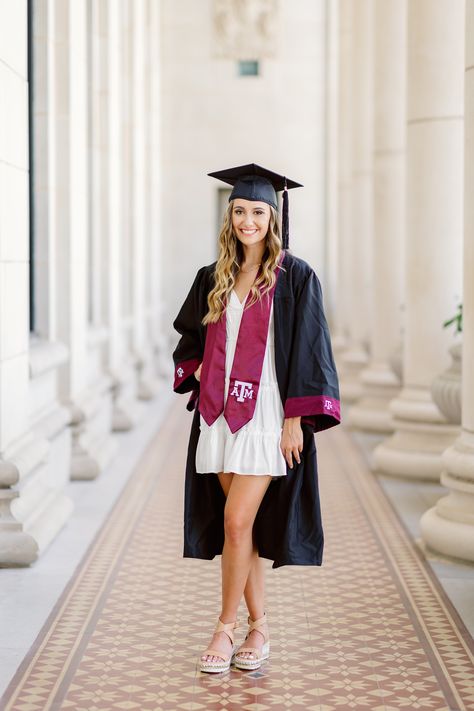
<point x="252" y="182"/>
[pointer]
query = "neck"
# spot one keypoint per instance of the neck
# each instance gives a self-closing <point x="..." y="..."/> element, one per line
<point x="253" y="253"/>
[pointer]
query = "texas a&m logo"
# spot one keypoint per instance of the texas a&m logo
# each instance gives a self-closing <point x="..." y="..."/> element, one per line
<point x="180" y="372"/>
<point x="242" y="390"/>
<point x="328" y="404"/>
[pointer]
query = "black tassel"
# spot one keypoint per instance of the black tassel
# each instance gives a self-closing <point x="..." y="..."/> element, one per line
<point x="285" y="226"/>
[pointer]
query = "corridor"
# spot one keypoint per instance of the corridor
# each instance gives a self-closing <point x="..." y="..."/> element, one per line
<point x="370" y="629"/>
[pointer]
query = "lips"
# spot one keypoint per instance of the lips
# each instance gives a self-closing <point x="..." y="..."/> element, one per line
<point x="249" y="232"/>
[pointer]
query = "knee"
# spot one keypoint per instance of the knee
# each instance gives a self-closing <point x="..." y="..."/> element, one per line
<point x="237" y="527"/>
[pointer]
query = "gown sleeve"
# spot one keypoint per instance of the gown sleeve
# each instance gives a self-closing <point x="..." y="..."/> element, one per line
<point x="313" y="387"/>
<point x="188" y="353"/>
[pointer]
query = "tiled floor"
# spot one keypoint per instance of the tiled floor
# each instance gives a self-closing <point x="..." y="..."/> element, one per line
<point x="410" y="500"/>
<point x="369" y="629"/>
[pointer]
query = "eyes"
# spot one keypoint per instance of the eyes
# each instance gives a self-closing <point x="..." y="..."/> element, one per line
<point x="239" y="211"/>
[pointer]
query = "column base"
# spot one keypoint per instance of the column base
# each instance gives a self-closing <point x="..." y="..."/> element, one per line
<point x="147" y="374"/>
<point x="352" y="361"/>
<point x="33" y="513"/>
<point x="371" y="413"/>
<point x="162" y="358"/>
<point x="450" y="538"/>
<point x="148" y="387"/>
<point x="22" y="543"/>
<point x="127" y="410"/>
<point x="448" y="527"/>
<point x="91" y="423"/>
<point x="421" y="435"/>
<point x="87" y="465"/>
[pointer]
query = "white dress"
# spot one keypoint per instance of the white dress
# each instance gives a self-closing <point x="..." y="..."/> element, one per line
<point x="255" y="447"/>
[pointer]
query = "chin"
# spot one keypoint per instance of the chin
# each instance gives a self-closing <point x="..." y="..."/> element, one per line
<point x="254" y="239"/>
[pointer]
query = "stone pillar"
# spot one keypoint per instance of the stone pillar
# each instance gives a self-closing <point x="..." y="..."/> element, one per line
<point x="449" y="526"/>
<point x="141" y="338"/>
<point x="358" y="221"/>
<point x="84" y="386"/>
<point x="344" y="180"/>
<point x="34" y="434"/>
<point x="157" y="330"/>
<point x="380" y="384"/>
<point x="332" y="242"/>
<point x="119" y="239"/>
<point x="434" y="233"/>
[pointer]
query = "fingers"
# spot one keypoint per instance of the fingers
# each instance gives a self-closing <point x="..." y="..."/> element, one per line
<point x="291" y="444"/>
<point x="290" y="453"/>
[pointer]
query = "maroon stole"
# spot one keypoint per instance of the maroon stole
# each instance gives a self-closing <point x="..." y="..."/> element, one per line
<point x="246" y="367"/>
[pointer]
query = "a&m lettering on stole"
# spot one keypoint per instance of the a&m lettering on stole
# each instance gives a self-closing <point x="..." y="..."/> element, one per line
<point x="243" y="390"/>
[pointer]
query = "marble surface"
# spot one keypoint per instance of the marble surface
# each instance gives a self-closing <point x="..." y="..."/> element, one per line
<point x="28" y="595"/>
<point x="411" y="499"/>
<point x="367" y="630"/>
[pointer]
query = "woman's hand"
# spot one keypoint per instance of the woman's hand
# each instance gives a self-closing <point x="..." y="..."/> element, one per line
<point x="291" y="443"/>
<point x="197" y="373"/>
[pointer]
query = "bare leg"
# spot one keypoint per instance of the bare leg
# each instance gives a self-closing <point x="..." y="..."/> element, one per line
<point x="254" y="587"/>
<point x="244" y="496"/>
<point x="254" y="592"/>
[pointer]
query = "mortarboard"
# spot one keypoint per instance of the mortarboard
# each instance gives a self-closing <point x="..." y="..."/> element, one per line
<point x="252" y="182"/>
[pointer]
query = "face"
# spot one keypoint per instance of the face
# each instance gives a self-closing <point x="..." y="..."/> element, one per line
<point x="250" y="220"/>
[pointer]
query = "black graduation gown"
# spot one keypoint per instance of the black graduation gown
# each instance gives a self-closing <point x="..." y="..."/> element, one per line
<point x="288" y="527"/>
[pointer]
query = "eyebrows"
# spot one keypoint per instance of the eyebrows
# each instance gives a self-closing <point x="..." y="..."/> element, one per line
<point x="255" y="207"/>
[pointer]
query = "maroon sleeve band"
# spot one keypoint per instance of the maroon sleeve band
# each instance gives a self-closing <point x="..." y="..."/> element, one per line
<point x="313" y="405"/>
<point x="183" y="370"/>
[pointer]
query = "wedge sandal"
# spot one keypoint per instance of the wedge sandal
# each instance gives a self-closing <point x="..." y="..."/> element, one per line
<point x="224" y="665"/>
<point x="259" y="655"/>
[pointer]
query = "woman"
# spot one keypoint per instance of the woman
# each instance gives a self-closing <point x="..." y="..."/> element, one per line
<point x="255" y="351"/>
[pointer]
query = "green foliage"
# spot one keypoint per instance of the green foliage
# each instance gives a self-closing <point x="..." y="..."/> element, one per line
<point x="457" y="320"/>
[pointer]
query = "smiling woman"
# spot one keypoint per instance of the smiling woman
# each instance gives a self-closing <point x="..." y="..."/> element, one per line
<point x="253" y="331"/>
<point x="251" y="224"/>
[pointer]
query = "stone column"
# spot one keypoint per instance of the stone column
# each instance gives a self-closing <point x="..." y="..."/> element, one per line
<point x="84" y="387"/>
<point x="357" y="227"/>
<point x="332" y="242"/>
<point x="344" y="179"/>
<point x="449" y="526"/>
<point x="380" y="384"/>
<point x="119" y="239"/>
<point x="112" y="250"/>
<point x="34" y="433"/>
<point x="141" y="340"/>
<point x="158" y="331"/>
<point x="434" y="233"/>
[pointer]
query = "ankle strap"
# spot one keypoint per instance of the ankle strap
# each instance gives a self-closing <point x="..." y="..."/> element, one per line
<point x="227" y="627"/>
<point x="255" y="624"/>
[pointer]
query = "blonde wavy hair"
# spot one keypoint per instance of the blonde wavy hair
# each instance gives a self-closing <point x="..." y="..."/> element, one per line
<point x="230" y="258"/>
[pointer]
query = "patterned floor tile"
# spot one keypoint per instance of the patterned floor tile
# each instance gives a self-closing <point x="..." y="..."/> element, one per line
<point x="369" y="630"/>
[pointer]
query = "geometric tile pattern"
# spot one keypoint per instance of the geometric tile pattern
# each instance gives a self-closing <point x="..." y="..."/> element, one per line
<point x="370" y="629"/>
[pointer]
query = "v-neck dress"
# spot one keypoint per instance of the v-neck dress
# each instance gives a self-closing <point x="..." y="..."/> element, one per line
<point x="255" y="447"/>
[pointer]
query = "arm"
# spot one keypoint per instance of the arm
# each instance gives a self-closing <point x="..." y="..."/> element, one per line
<point x="188" y="353"/>
<point x="291" y="443"/>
